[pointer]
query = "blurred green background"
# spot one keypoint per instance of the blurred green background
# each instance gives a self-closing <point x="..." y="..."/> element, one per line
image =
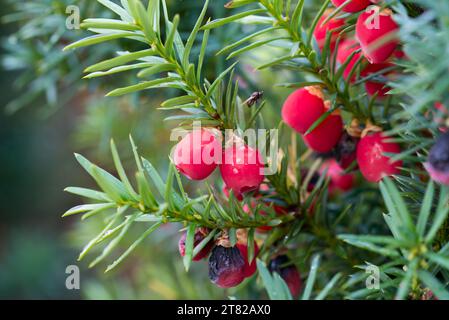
<point x="48" y="113"/>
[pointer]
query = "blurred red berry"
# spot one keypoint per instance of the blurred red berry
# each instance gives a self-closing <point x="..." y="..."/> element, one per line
<point x="303" y="107"/>
<point x="372" y="86"/>
<point x="373" y="164"/>
<point x="339" y="180"/>
<point x="344" y="51"/>
<point x="332" y="26"/>
<point x="326" y="135"/>
<point x="372" y="30"/>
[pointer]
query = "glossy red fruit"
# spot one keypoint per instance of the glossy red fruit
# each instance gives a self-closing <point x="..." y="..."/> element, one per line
<point x="242" y="169"/>
<point x="332" y="26"/>
<point x="303" y="107"/>
<point x="226" y="266"/>
<point x="353" y="6"/>
<point x="289" y="273"/>
<point x="374" y="86"/>
<point x="250" y="268"/>
<point x="326" y="135"/>
<point x="339" y="180"/>
<point x="437" y="164"/>
<point x="199" y="236"/>
<point x="344" y="51"/>
<point x="196" y="156"/>
<point x="373" y="164"/>
<point x="372" y="29"/>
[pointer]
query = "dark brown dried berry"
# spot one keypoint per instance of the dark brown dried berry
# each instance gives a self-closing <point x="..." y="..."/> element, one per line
<point x="226" y="267"/>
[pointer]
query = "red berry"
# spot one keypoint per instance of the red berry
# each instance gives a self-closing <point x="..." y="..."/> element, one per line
<point x="226" y="267"/>
<point x="373" y="164"/>
<point x="344" y="51"/>
<point x="438" y="162"/>
<point x="339" y="179"/>
<point x="353" y="6"/>
<point x="195" y="156"/>
<point x="199" y="236"/>
<point x="250" y="268"/>
<point x="287" y="272"/>
<point x="303" y="107"/>
<point x="226" y="192"/>
<point x="242" y="169"/>
<point x="372" y="29"/>
<point x="374" y="86"/>
<point x="326" y="135"/>
<point x="321" y="30"/>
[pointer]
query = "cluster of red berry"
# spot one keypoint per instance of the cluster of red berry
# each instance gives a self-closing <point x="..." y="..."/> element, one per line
<point x="350" y="146"/>
<point x="374" y="43"/>
<point x="199" y="153"/>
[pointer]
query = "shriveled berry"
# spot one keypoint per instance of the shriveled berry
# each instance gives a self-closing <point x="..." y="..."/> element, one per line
<point x="373" y="164"/>
<point x="353" y="6"/>
<point x="344" y="51"/>
<point x="282" y="265"/>
<point x="332" y="26"/>
<point x="242" y="169"/>
<point x="437" y="164"/>
<point x="326" y="135"/>
<point x="375" y="31"/>
<point x="250" y="268"/>
<point x="199" y="236"/>
<point x="303" y="107"/>
<point x="339" y="180"/>
<point x="226" y="266"/>
<point x="196" y="156"/>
